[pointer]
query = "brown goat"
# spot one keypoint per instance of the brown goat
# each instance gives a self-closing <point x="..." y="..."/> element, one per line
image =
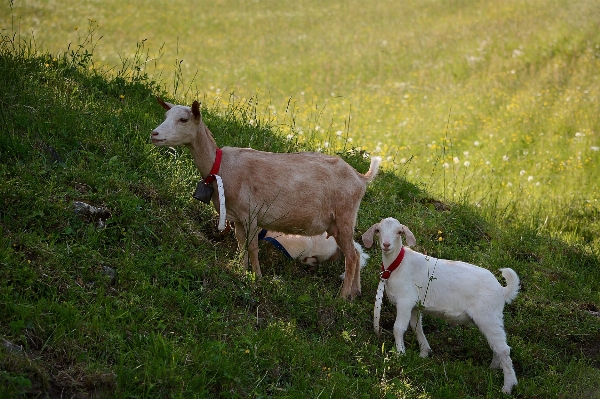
<point x="294" y="193"/>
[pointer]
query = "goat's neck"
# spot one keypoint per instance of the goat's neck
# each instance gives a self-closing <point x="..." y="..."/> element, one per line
<point x="203" y="148"/>
<point x="388" y="259"/>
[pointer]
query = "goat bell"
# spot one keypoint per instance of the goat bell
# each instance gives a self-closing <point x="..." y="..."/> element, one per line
<point x="203" y="192"/>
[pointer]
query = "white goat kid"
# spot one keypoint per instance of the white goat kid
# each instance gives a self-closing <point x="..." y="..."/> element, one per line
<point x="299" y="193"/>
<point x="455" y="291"/>
<point x="310" y="250"/>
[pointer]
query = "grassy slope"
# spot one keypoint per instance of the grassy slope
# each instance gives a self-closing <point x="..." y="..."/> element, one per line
<point x="510" y="89"/>
<point x="180" y="319"/>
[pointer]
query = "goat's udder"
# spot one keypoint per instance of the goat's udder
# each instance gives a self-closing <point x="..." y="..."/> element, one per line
<point x="332" y="231"/>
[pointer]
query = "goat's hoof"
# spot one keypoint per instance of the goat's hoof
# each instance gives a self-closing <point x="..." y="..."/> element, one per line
<point x="424" y="353"/>
<point x="350" y="295"/>
<point x="507" y="388"/>
<point x="354" y="296"/>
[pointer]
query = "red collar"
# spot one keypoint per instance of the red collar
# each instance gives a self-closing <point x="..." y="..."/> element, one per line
<point x="385" y="274"/>
<point x="215" y="168"/>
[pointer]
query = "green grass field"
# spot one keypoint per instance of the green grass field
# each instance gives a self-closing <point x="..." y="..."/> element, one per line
<point x="485" y="102"/>
<point x="487" y="116"/>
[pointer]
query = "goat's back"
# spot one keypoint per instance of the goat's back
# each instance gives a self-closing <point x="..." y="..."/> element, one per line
<point x="446" y="288"/>
<point x="319" y="247"/>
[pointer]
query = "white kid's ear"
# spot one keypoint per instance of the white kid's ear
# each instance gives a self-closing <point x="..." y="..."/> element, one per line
<point x="367" y="237"/>
<point x="410" y="237"/>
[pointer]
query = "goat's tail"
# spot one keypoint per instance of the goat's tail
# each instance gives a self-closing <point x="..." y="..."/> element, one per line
<point x="373" y="169"/>
<point x="377" y="309"/>
<point x="512" y="284"/>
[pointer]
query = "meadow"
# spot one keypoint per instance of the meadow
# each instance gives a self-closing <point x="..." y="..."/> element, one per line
<point x="476" y="101"/>
<point x="487" y="117"/>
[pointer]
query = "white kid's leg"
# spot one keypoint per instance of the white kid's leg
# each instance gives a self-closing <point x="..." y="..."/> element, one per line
<point x="403" y="315"/>
<point x="416" y="323"/>
<point x="493" y="329"/>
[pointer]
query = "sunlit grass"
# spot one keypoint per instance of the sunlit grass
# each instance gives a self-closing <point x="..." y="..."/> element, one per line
<point x="480" y="102"/>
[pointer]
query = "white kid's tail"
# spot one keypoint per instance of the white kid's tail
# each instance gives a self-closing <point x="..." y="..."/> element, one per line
<point x="512" y="284"/>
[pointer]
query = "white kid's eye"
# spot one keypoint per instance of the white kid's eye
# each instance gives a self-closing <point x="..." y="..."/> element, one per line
<point x="183" y="120"/>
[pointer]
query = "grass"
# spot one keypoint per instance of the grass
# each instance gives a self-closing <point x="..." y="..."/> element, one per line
<point x="501" y="98"/>
<point x="155" y="304"/>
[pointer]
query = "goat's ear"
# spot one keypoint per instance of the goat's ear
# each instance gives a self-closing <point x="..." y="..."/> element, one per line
<point x="196" y="109"/>
<point x="164" y="104"/>
<point x="367" y="237"/>
<point x="410" y="237"/>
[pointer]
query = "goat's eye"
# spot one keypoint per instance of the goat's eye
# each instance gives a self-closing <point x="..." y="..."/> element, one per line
<point x="183" y="120"/>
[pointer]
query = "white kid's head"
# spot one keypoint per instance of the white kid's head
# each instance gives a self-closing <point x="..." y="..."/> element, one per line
<point x="389" y="232"/>
<point x="180" y="125"/>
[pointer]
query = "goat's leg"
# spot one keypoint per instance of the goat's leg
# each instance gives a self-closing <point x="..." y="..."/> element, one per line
<point x="416" y="323"/>
<point x="240" y="235"/>
<point x="356" y="280"/>
<point x="403" y="316"/>
<point x="495" y="362"/>
<point x="248" y="245"/>
<point x="493" y="330"/>
<point x="253" y="249"/>
<point x="351" y="285"/>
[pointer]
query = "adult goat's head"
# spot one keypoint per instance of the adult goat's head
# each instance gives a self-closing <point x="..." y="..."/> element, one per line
<point x="180" y="125"/>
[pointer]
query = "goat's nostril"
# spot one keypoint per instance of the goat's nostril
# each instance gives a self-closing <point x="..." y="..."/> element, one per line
<point x="154" y="133"/>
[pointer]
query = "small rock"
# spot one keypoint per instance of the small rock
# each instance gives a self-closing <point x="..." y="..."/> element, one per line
<point x="92" y="213"/>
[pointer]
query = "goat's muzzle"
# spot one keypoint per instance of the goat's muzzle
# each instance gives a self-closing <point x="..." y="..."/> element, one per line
<point x="154" y="138"/>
